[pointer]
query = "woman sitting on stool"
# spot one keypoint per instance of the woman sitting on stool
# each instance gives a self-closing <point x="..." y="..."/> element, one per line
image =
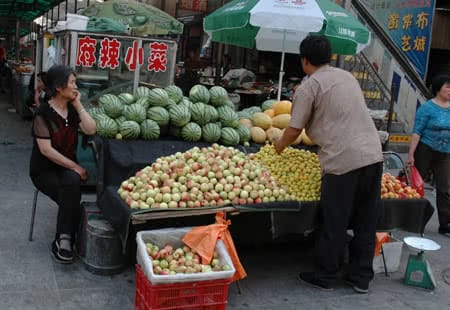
<point x="53" y="167"/>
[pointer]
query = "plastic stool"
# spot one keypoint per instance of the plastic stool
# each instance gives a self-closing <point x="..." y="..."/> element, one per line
<point x="33" y="213"/>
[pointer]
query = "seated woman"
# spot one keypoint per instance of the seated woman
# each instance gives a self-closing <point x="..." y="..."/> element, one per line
<point x="53" y="166"/>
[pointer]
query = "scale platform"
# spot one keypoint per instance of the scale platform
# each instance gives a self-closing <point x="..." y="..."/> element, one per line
<point x="418" y="271"/>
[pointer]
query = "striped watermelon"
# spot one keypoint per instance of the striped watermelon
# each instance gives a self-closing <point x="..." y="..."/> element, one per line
<point x="149" y="130"/>
<point x="179" y="115"/>
<point x="228" y="117"/>
<point x="135" y="112"/>
<point x="218" y="95"/>
<point x="120" y="120"/>
<point x="106" y="127"/>
<point x="158" y="97"/>
<point x="244" y="133"/>
<point x="212" y="112"/>
<point x="211" y="132"/>
<point x="191" y="132"/>
<point x="126" y="98"/>
<point x="229" y="136"/>
<point x="130" y="130"/>
<point x="266" y="105"/>
<point x="186" y="102"/>
<point x="199" y="114"/>
<point x="199" y="93"/>
<point x="112" y="105"/>
<point x="142" y="92"/>
<point x="159" y="115"/>
<point x="145" y="102"/>
<point x="175" y="93"/>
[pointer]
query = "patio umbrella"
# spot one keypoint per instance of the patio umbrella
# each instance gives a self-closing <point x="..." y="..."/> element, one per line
<point x="280" y="26"/>
<point x="142" y="18"/>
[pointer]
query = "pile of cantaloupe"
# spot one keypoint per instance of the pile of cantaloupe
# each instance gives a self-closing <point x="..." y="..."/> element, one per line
<point x="270" y="124"/>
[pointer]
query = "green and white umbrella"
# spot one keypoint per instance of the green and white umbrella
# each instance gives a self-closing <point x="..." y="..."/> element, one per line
<point x="280" y="26"/>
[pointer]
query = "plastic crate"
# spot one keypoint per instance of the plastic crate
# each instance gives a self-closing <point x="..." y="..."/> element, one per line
<point x="199" y="295"/>
<point x="173" y="236"/>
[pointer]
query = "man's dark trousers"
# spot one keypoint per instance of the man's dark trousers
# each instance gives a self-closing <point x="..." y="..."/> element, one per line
<point x="353" y="198"/>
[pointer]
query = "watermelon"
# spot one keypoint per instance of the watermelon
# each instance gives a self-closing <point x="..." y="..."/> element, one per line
<point x="230" y="104"/>
<point x="126" y="98"/>
<point x="266" y="105"/>
<point x="211" y="132"/>
<point x="158" y="97"/>
<point x="199" y="93"/>
<point x="175" y="93"/>
<point x="145" y="102"/>
<point x="112" y="105"/>
<point x="212" y="112"/>
<point x="218" y="95"/>
<point x="244" y="114"/>
<point x="149" y="130"/>
<point x="170" y="103"/>
<point x="191" y="132"/>
<point x="159" y="115"/>
<point x="130" y="130"/>
<point x="186" y="102"/>
<point x="120" y="120"/>
<point x="199" y="114"/>
<point x="135" y="112"/>
<point x="244" y="133"/>
<point x="179" y="115"/>
<point x="107" y="127"/>
<point x="228" y="117"/>
<point x="142" y="92"/>
<point x="229" y="136"/>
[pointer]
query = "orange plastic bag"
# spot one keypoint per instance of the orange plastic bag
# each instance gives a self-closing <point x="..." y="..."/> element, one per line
<point x="203" y="240"/>
<point x="381" y="238"/>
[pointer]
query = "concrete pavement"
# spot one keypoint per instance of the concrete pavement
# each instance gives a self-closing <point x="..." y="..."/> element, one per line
<point x="29" y="279"/>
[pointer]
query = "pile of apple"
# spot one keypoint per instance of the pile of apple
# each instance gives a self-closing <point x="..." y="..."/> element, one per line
<point x="392" y="187"/>
<point x="169" y="261"/>
<point x="200" y="177"/>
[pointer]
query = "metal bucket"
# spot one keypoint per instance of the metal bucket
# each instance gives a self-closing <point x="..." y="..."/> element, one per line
<point x="103" y="249"/>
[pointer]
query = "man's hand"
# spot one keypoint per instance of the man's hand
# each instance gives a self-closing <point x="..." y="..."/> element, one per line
<point x="279" y="147"/>
<point x="410" y="161"/>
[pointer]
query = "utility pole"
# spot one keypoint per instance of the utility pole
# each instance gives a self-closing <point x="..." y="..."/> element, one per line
<point x="217" y="78"/>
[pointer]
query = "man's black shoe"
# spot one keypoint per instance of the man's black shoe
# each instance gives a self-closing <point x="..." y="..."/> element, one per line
<point x="445" y="230"/>
<point x="357" y="287"/>
<point x="310" y="279"/>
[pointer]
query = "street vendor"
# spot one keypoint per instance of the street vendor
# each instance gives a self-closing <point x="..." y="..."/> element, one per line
<point x="330" y="106"/>
<point x="53" y="166"/>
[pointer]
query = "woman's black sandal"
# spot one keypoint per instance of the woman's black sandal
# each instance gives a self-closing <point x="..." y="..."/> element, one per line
<point x="62" y="256"/>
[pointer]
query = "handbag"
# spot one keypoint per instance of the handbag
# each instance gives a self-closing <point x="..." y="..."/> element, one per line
<point x="416" y="180"/>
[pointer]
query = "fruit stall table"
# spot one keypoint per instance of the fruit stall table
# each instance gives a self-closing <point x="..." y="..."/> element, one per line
<point x="120" y="159"/>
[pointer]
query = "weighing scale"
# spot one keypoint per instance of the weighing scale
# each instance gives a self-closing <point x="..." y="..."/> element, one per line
<point x="418" y="271"/>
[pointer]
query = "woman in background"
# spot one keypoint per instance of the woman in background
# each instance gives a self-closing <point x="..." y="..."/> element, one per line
<point x="429" y="149"/>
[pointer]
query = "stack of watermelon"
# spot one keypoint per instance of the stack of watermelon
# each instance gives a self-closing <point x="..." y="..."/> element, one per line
<point x="205" y="115"/>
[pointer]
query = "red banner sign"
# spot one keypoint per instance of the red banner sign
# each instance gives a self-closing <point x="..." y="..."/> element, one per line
<point x="109" y="56"/>
<point x="193" y="5"/>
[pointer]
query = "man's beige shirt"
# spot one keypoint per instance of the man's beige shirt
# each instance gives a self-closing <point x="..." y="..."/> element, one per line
<point x="330" y="106"/>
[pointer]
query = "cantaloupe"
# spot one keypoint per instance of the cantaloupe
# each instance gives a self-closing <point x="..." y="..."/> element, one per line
<point x="273" y="133"/>
<point x="305" y="139"/>
<point x="259" y="119"/>
<point x="281" y="121"/>
<point x="258" y="134"/>
<point x="270" y="112"/>
<point x="246" y="122"/>
<point x="282" y="107"/>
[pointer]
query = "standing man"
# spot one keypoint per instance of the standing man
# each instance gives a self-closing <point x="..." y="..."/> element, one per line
<point x="331" y="107"/>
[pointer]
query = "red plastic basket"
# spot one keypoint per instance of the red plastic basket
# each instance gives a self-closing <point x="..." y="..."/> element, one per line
<point x="202" y="295"/>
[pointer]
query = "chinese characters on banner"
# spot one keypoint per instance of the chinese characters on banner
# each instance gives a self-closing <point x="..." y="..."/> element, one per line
<point x="109" y="54"/>
<point x="193" y="5"/>
<point x="409" y="24"/>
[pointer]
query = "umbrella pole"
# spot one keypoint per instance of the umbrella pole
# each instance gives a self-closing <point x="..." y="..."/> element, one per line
<point x="280" y="78"/>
